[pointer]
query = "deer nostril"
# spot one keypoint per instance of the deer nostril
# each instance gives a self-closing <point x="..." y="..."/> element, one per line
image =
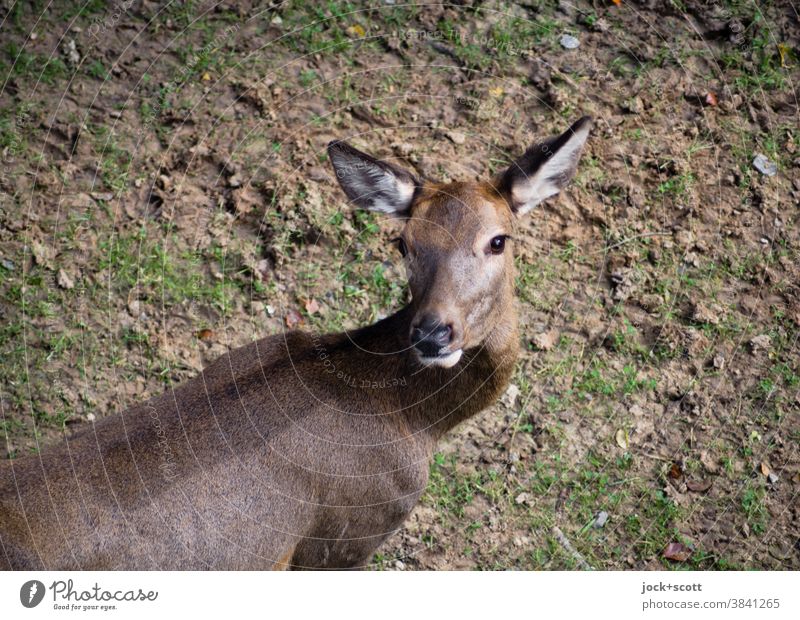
<point x="430" y="335"/>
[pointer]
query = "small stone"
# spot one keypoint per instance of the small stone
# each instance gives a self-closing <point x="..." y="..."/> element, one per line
<point x="523" y="498"/>
<point x="134" y="307"/>
<point x="600" y="520"/>
<point x="764" y="165"/>
<point x="235" y="181"/>
<point x="270" y="310"/>
<point x="71" y="52"/>
<point x="456" y="137"/>
<point x="91" y="417"/>
<point x="719" y="361"/>
<point x="7" y="264"/>
<point x="761" y="342"/>
<point x="772" y="478"/>
<point x="569" y="42"/>
<point x="276" y="21"/>
<point x="399" y="565"/>
<point x="509" y="398"/>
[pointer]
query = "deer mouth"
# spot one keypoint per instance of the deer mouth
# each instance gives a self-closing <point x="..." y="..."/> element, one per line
<point x="443" y="360"/>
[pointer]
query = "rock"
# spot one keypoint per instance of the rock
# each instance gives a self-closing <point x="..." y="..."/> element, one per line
<point x="7" y="264"/>
<point x="399" y="565"/>
<point x="703" y="314"/>
<point x="761" y="342"/>
<point x="719" y="361"/>
<point x="509" y="398"/>
<point x="64" y="280"/>
<point x="764" y="165"/>
<point x="600" y="520"/>
<point x="569" y="42"/>
<point x="456" y="137"/>
<point x="772" y="478"/>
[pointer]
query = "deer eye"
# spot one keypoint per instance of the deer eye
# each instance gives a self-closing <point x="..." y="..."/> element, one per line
<point x="498" y="244"/>
<point x="401" y="246"/>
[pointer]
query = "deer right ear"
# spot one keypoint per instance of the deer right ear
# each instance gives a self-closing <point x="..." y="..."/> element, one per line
<point x="544" y="169"/>
<point x="370" y="183"/>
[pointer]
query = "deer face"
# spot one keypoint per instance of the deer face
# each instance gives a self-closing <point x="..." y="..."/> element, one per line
<point x="457" y="239"/>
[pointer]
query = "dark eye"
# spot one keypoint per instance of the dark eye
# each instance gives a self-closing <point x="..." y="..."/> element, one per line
<point x="498" y="244"/>
<point x="401" y="246"/>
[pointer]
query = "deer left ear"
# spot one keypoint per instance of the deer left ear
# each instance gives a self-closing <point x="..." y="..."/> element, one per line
<point x="544" y="169"/>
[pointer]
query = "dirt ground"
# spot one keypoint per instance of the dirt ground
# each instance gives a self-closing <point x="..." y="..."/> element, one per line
<point x="165" y="196"/>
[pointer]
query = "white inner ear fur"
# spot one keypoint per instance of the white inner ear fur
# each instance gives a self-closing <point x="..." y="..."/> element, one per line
<point x="388" y="185"/>
<point x="545" y="182"/>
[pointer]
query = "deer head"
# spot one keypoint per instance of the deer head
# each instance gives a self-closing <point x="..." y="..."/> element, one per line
<point x="457" y="238"/>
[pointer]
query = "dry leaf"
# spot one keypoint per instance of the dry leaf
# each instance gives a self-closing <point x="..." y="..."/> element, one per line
<point x="617" y="2"/>
<point x="356" y="30"/>
<point x="206" y="77"/>
<point x="675" y="471"/>
<point x="783" y="50"/>
<point x="711" y="98"/>
<point x="205" y="334"/>
<point x="293" y="319"/>
<point x="699" y="486"/>
<point x="496" y="92"/>
<point x="677" y="552"/>
<point x="622" y="438"/>
<point x="765" y="469"/>
<point x="311" y="306"/>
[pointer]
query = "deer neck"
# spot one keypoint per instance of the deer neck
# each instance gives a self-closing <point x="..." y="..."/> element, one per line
<point x="431" y="400"/>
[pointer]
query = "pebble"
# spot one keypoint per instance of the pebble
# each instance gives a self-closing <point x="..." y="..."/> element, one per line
<point x="600" y="520"/>
<point x="456" y="136"/>
<point x="764" y="165"/>
<point x="569" y="42"/>
<point x="7" y="264"/>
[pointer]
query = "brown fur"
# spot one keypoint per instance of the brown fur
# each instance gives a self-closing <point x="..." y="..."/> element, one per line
<point x="266" y="454"/>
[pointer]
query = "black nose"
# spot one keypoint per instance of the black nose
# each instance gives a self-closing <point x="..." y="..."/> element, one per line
<point x="430" y="335"/>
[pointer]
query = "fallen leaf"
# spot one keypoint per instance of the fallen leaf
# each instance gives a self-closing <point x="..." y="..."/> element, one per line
<point x="205" y="334"/>
<point x="675" y="471"/>
<point x="293" y="319"/>
<point x="783" y="50"/>
<point x="206" y="77"/>
<point x="711" y="98"/>
<point x="621" y="438"/>
<point x="356" y="30"/>
<point x="496" y="92"/>
<point x="311" y="306"/>
<point x="677" y="552"/>
<point x="765" y="469"/>
<point x="699" y="486"/>
<point x="617" y="2"/>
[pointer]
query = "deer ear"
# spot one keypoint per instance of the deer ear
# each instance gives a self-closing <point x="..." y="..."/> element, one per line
<point x="370" y="183"/>
<point x="544" y="169"/>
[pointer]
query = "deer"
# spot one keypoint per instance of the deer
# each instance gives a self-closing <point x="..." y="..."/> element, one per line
<point x="299" y="450"/>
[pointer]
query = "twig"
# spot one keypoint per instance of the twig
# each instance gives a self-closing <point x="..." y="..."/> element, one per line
<point x="564" y="542"/>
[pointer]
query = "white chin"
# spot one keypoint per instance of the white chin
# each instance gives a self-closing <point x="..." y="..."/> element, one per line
<point x="443" y="361"/>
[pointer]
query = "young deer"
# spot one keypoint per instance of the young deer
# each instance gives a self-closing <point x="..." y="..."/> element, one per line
<point x="299" y="450"/>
